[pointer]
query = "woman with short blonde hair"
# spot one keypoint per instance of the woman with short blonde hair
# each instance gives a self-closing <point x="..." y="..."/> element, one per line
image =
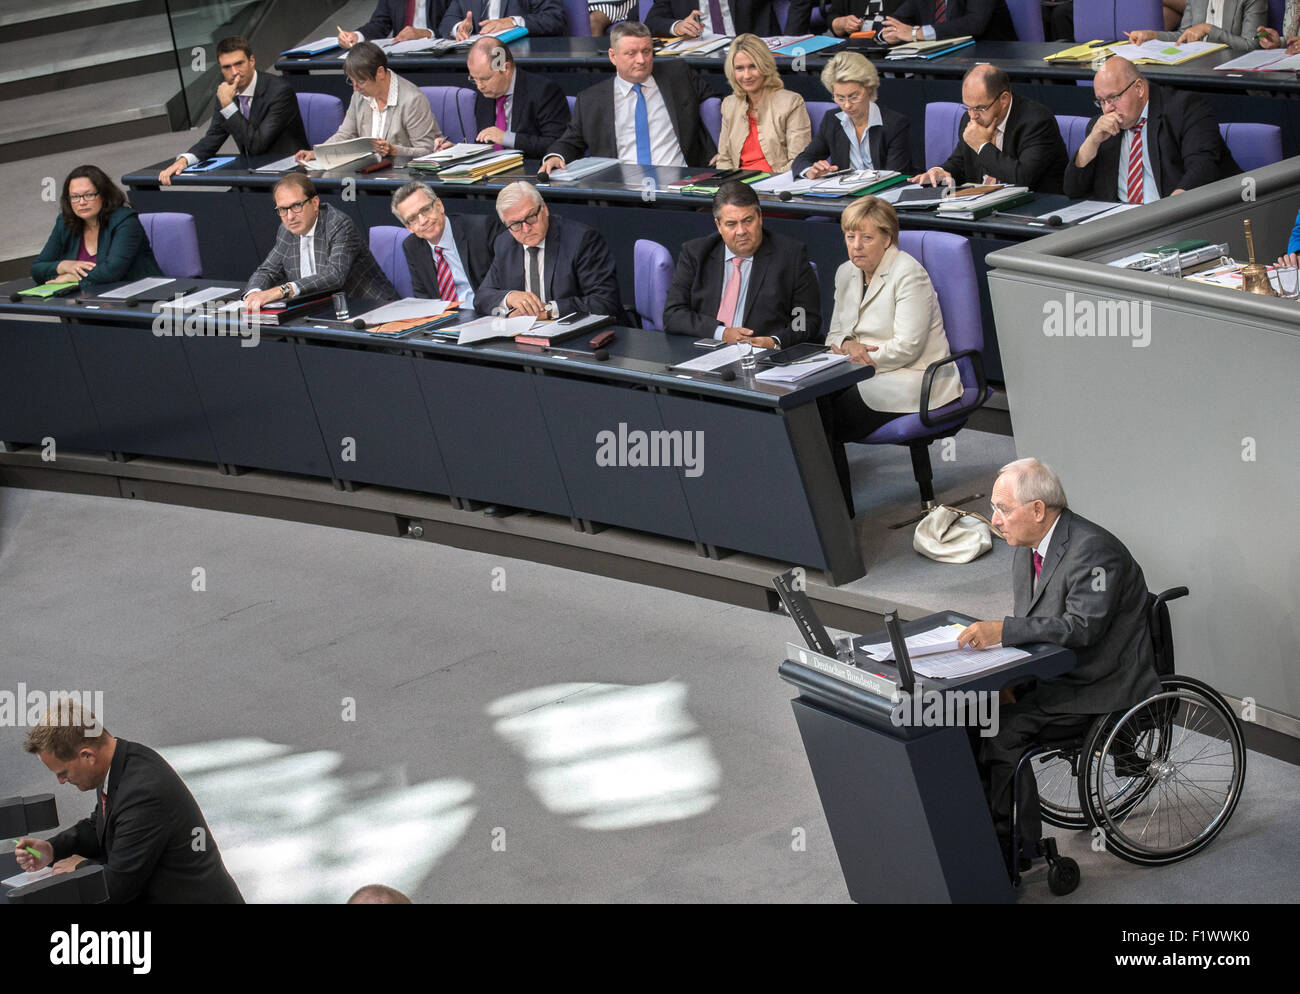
<point x="764" y="125"/>
<point x="863" y="135"/>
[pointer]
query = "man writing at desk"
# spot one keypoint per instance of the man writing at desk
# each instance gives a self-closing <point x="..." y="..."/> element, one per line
<point x="317" y="250"/>
<point x="514" y="109"/>
<point x="1076" y="586"/>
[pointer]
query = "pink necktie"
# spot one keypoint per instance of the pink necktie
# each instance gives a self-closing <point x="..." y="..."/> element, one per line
<point x="1038" y="565"/>
<point x="1135" y="165"/>
<point x="730" y="295"/>
<point x="501" y="117"/>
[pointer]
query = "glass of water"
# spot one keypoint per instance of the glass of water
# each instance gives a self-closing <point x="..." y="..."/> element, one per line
<point x="748" y="360"/>
<point x="1170" y="263"/>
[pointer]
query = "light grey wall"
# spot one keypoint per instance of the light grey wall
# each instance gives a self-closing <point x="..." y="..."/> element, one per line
<point x="1153" y="442"/>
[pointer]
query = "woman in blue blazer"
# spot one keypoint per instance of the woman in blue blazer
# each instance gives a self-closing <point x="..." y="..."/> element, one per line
<point x="97" y="237"/>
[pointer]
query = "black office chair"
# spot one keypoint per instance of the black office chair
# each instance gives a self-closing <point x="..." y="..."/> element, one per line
<point x="1160" y="779"/>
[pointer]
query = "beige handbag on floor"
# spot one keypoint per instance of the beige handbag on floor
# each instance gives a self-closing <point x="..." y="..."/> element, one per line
<point x="951" y="535"/>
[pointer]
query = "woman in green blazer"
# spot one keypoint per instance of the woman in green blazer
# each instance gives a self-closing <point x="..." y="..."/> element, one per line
<point x="97" y="237"/>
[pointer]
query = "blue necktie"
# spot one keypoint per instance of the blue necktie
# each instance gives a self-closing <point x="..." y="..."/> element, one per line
<point x="642" y="128"/>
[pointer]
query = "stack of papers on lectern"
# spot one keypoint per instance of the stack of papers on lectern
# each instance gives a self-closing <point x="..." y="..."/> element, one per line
<point x="331" y="155"/>
<point x="934" y="654"/>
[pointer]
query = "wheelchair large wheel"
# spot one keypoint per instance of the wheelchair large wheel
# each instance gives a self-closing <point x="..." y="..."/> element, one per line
<point x="1163" y="779"/>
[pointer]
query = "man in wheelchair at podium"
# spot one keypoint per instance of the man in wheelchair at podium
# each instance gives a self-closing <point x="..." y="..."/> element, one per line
<point x="1075" y="586"/>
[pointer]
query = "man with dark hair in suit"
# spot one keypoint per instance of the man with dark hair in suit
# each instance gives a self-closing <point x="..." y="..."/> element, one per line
<point x="548" y="266"/>
<point x="468" y="17"/>
<point x="448" y="256"/>
<point x="1076" y="586"/>
<point x="648" y="113"/>
<point x="317" y="250"/>
<point x="514" y="109"/>
<point x="1004" y="139"/>
<point x="146" y="829"/>
<point x="743" y="282"/>
<point x="1148" y="142"/>
<point x="928" y="20"/>
<point x="259" y="111"/>
<point x="692" y="18"/>
<point x="401" y="20"/>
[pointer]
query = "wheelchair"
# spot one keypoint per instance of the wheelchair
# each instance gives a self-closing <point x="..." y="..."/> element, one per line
<point x="1160" y="779"/>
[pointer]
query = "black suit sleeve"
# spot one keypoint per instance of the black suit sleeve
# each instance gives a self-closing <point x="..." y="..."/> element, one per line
<point x="214" y="137"/>
<point x="381" y="23"/>
<point x="79" y="840"/>
<point x="573" y="143"/>
<point x="545" y="17"/>
<point x="664" y="13"/>
<point x="593" y="264"/>
<point x="1081" y="182"/>
<point x="974" y="21"/>
<point x="140" y="833"/>
<point x="282" y="108"/>
<point x="819" y="148"/>
<point x="1037" y="148"/>
<point x="798" y="19"/>
<point x="549" y="120"/>
<point x="679" y="317"/>
<point x="806" y="321"/>
<point x="898" y="143"/>
<point x="421" y="284"/>
<point x="1200" y="144"/>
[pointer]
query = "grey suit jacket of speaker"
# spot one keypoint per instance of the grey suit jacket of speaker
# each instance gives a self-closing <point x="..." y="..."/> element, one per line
<point x="1092" y="598"/>
<point x="341" y="260"/>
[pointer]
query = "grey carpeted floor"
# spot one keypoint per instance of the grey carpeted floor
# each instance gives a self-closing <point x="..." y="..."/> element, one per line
<point x="350" y="708"/>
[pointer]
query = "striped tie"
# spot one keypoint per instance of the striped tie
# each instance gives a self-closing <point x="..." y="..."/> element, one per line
<point x="940" y="11"/>
<point x="1135" y="164"/>
<point x="446" y="282"/>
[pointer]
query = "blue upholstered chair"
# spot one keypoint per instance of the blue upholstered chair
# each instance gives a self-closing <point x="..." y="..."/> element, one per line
<point x="1109" y="19"/>
<point x="1027" y="16"/>
<point x="386" y="246"/>
<point x="577" y="17"/>
<point x="174" y="239"/>
<point x="817" y="109"/>
<point x="941" y="131"/>
<point x="322" y="114"/>
<point x="653" y="272"/>
<point x="453" y="106"/>
<point x="1253" y="145"/>
<point x="1073" y="131"/>
<point x="711" y="115"/>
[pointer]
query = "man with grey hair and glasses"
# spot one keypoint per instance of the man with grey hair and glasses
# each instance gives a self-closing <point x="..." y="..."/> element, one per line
<point x="448" y="257"/>
<point x="1076" y="586"/>
<point x="547" y="266"/>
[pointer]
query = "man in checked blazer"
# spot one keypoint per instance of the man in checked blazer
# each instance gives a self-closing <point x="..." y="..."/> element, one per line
<point x="1076" y="586"/>
<point x="604" y="118"/>
<point x="318" y="250"/>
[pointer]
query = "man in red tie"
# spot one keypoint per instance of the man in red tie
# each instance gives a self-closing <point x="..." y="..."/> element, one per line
<point x="447" y="257"/>
<point x="1148" y="141"/>
<point x="1076" y="586"/>
<point x="514" y="109"/>
<point x="146" y="828"/>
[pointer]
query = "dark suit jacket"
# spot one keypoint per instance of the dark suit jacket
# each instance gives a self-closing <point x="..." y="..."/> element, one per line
<point x="342" y="262"/>
<point x="475" y="236"/>
<point x="748" y="16"/>
<point x="890" y="143"/>
<point x="123" y="252"/>
<point x="780" y="283"/>
<point x="541" y="17"/>
<point x="1182" y="139"/>
<point x="985" y="20"/>
<point x="1033" y="153"/>
<point x="147" y="843"/>
<point x="1091" y="598"/>
<point x="538" y="113"/>
<point x="274" y="125"/>
<point x="578" y="271"/>
<point x="390" y="17"/>
<point x="591" y="131"/>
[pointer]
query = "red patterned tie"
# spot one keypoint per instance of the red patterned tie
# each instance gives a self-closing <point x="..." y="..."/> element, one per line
<point x="940" y="11"/>
<point x="409" y="17"/>
<point x="1135" y="164"/>
<point x="446" y="282"/>
<point x="1038" y="565"/>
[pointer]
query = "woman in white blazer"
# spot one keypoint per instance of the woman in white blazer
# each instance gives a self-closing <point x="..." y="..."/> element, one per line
<point x="764" y="125"/>
<point x="887" y="316"/>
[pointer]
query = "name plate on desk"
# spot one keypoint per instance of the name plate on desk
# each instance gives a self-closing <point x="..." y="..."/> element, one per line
<point x="879" y="685"/>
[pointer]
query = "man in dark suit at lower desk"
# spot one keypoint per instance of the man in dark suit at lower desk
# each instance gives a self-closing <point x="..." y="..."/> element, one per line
<point x="928" y="20"/>
<point x="401" y="20"/>
<point x="547" y="267"/>
<point x="479" y="17"/>
<point x="1076" y="586"/>
<point x="146" y="829"/>
<point x="1004" y="138"/>
<point x="258" y="110"/>
<point x="317" y="250"/>
<point x="691" y="18"/>
<point x="1148" y="142"/>
<point x="514" y="109"/>
<point x="649" y="113"/>
<point x="743" y="282"/>
<point x="448" y="257"/>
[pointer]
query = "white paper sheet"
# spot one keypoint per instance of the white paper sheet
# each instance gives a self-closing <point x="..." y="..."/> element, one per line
<point x="493" y="327"/>
<point x="23" y="879"/>
<point x="723" y="355"/>
<point x="965" y="662"/>
<point x="331" y="155"/>
<point x="405" y="309"/>
<point x="801" y="368"/>
<point x="139" y="286"/>
<point x="1115" y="209"/>
<point x="199" y="297"/>
<point x="580" y="168"/>
<point x="278" y="166"/>
<point x="458" y="151"/>
<point x="943" y="639"/>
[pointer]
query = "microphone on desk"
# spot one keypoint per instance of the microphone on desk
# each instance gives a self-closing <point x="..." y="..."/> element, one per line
<point x="359" y="324"/>
<point x="726" y="375"/>
<point x="15" y="298"/>
<point x="785" y="195"/>
<point x="132" y="301"/>
<point x="601" y="354"/>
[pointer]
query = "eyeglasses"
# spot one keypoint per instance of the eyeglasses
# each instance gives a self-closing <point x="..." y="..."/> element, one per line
<point x="972" y="111"/>
<point x="481" y="80"/>
<point x="357" y="84"/>
<point x="1004" y="511"/>
<point x="425" y="213"/>
<point x="529" y="220"/>
<point x="850" y="98"/>
<point x="294" y="208"/>
<point x="1103" y="101"/>
<point x="78" y="198"/>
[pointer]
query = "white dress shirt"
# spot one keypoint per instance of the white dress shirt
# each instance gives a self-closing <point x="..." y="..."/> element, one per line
<point x="306" y="256"/>
<point x="447" y="243"/>
<point x="665" y="149"/>
<point x="228" y="111"/>
<point x="860" y="151"/>
<point x="1150" y="192"/>
<point x="379" y="118"/>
